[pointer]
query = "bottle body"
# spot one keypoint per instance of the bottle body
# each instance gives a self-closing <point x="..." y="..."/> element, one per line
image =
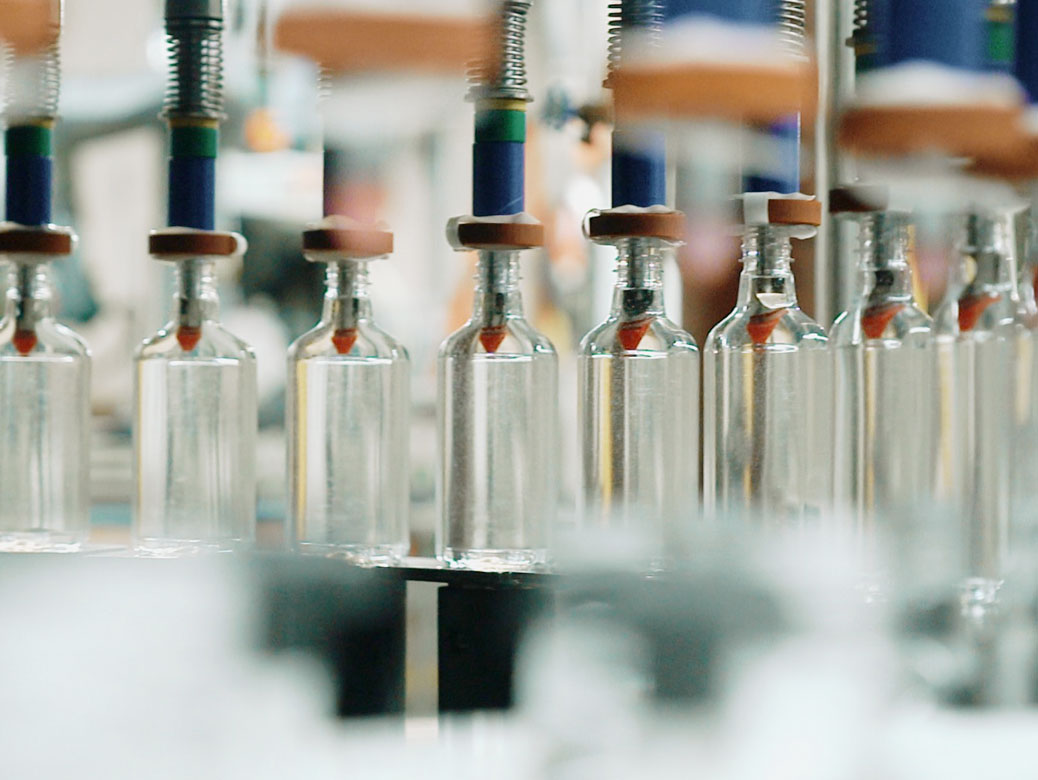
<point x="194" y="431"/>
<point x="498" y="384"/>
<point x="885" y="388"/>
<point x="44" y="424"/>
<point x="638" y="411"/>
<point x="987" y="325"/>
<point x="347" y="418"/>
<point x="767" y="400"/>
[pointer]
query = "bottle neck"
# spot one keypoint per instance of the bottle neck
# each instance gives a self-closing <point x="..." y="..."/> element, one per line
<point x="195" y="299"/>
<point x="639" y="279"/>
<point x="767" y="276"/>
<point x="883" y="247"/>
<point x="987" y="241"/>
<point x="497" y="287"/>
<point x="346" y="300"/>
<point x="31" y="294"/>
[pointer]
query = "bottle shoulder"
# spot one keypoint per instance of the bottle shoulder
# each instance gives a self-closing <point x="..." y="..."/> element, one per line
<point x="212" y="342"/>
<point x="50" y="338"/>
<point x="366" y="341"/>
<point x="778" y="329"/>
<point x="515" y="336"/>
<point x="890" y="322"/>
<point x="656" y="334"/>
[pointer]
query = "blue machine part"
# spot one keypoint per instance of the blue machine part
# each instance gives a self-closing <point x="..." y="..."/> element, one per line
<point x="639" y="169"/>
<point x="192" y="192"/>
<point x="498" y="169"/>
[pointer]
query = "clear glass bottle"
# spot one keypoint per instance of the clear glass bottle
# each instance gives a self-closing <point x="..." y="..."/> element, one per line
<point x="986" y="319"/>
<point x="44" y="421"/>
<point x="885" y="384"/>
<point x="347" y="417"/>
<point x="638" y="407"/>
<point x="194" y="430"/>
<point x="498" y="410"/>
<point x="767" y="396"/>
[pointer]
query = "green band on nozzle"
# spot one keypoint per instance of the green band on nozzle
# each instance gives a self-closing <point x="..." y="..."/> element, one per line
<point x="194" y="141"/>
<point x="500" y="125"/>
<point x="29" y="141"/>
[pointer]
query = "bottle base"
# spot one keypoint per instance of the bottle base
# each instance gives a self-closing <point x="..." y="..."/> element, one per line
<point x="356" y="554"/>
<point x="496" y="560"/>
<point x="183" y="548"/>
<point x="40" y="541"/>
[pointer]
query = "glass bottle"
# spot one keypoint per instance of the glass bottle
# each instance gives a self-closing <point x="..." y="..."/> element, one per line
<point x="986" y="320"/>
<point x="885" y="384"/>
<point x="498" y="410"/>
<point x="638" y="406"/>
<point x="347" y="417"/>
<point x="194" y="430"/>
<point x="44" y="421"/>
<point x="767" y="402"/>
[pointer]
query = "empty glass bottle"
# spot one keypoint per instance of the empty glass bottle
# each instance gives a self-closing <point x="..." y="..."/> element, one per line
<point x="347" y="419"/>
<point x="44" y="421"/>
<point x="986" y="321"/>
<point x="638" y="406"/>
<point x="885" y="384"/>
<point x="767" y="404"/>
<point x="498" y="410"/>
<point x="194" y="430"/>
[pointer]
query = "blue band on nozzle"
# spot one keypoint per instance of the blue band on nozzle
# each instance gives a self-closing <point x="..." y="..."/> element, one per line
<point x="949" y="32"/>
<point x="1026" y="63"/>
<point x="752" y="11"/>
<point x="29" y="189"/>
<point x="192" y="192"/>
<point x="498" y="170"/>
<point x="639" y="169"/>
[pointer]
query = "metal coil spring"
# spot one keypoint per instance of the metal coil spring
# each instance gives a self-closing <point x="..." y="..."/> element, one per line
<point x="505" y="77"/>
<point x="792" y="24"/>
<point x="33" y="83"/>
<point x="195" y="87"/>
<point x="626" y="16"/>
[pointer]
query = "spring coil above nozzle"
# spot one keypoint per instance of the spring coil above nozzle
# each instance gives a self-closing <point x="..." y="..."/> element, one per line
<point x="194" y="42"/>
<point x="643" y="17"/>
<point x="504" y="77"/>
<point x="33" y="83"/>
<point x="792" y="24"/>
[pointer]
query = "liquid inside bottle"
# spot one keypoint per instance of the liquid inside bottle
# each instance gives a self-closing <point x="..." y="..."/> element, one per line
<point x="885" y="386"/>
<point x="638" y="406"/>
<point x="498" y="420"/>
<point x="195" y="428"/>
<point x="44" y="422"/>
<point x="348" y="407"/>
<point x="767" y="397"/>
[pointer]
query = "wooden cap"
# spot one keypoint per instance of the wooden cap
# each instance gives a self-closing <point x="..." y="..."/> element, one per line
<point x="960" y="131"/>
<point x="794" y="211"/>
<point x="500" y="235"/>
<point x="350" y="42"/>
<point x="36" y="241"/>
<point x="29" y="25"/>
<point x="192" y="244"/>
<point x="348" y="242"/>
<point x="746" y="93"/>
<point x="858" y="198"/>
<point x="1017" y="161"/>
<point x="668" y="225"/>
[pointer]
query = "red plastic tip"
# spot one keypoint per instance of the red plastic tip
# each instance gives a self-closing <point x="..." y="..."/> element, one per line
<point x="760" y="326"/>
<point x="344" y="339"/>
<point x="24" y="341"/>
<point x="632" y="333"/>
<point x="971" y="308"/>
<point x="492" y="337"/>
<point x="188" y="337"/>
<point x="875" y="320"/>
